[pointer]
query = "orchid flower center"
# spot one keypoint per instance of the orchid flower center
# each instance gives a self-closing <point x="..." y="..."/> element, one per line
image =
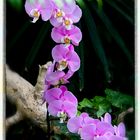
<point x="62" y="81"/>
<point x="59" y="14"/>
<point x="62" y="65"/>
<point x="66" y="40"/>
<point x="67" y="22"/>
<point x="62" y="116"/>
<point x="35" y="14"/>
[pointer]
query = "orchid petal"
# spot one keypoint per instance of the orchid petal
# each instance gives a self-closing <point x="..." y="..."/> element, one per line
<point x="76" y="15"/>
<point x="107" y="118"/>
<point x="55" y="22"/>
<point x="29" y="6"/>
<point x="88" y="132"/>
<point x="59" y="52"/>
<point x="74" y="124"/>
<point x="57" y="34"/>
<point x="121" y="129"/>
<point x="68" y="75"/>
<point x="103" y="127"/>
<point x="73" y="61"/>
<point x="47" y="13"/>
<point x="75" y="35"/>
<point x="52" y="94"/>
<point x="54" y="77"/>
<point x="68" y="96"/>
<point x="55" y="107"/>
<point x="116" y="138"/>
<point x="70" y="108"/>
<point x="63" y="88"/>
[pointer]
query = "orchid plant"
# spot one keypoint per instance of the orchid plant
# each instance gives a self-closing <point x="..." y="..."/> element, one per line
<point x="60" y="101"/>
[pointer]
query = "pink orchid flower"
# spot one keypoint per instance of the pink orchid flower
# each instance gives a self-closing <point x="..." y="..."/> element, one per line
<point x="120" y="130"/>
<point x="91" y="132"/>
<point x="35" y="8"/>
<point x="76" y="124"/>
<point x="61" y="35"/>
<point x="66" y="56"/>
<point x="107" y="118"/>
<point x="55" y="77"/>
<point x="104" y="130"/>
<point x="65" y="17"/>
<point x="62" y="103"/>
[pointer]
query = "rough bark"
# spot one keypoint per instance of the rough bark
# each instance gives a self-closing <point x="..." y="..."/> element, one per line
<point x="26" y="97"/>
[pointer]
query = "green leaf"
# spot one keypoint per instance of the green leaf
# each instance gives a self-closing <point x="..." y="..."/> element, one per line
<point x="101" y="104"/>
<point x="118" y="99"/>
<point x="97" y="99"/>
<point x="36" y="46"/>
<point x="95" y="39"/>
<point x="78" y="113"/>
<point x="114" y="33"/>
<point x="85" y="103"/>
<point x="103" y="108"/>
<point x="16" y="4"/>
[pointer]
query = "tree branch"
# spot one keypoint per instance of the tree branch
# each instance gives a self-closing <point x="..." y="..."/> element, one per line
<point x="27" y="98"/>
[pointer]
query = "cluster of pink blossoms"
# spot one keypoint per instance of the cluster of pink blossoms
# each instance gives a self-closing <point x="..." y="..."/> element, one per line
<point x="95" y="129"/>
<point x="62" y="14"/>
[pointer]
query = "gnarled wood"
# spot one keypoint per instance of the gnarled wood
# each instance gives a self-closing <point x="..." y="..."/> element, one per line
<point x="26" y="97"/>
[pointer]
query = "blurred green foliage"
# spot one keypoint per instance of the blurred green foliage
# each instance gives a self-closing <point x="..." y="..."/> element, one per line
<point x="16" y="4"/>
<point x="100" y="104"/>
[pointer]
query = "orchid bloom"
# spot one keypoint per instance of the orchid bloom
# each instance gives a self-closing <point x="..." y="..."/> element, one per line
<point x="61" y="102"/>
<point x="56" y="77"/>
<point x="66" y="56"/>
<point x="61" y="35"/>
<point x="35" y="8"/>
<point x="76" y="124"/>
<point x="104" y="130"/>
<point x="74" y="17"/>
<point x="64" y="17"/>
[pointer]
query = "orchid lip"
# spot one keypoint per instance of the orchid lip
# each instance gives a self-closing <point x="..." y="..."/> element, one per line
<point x="66" y="40"/>
<point x="35" y="14"/>
<point x="62" y="65"/>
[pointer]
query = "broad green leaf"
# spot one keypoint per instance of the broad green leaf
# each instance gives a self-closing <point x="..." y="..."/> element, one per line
<point x="101" y="104"/>
<point x="114" y="33"/>
<point x="95" y="39"/>
<point x="16" y="4"/>
<point x="97" y="99"/>
<point x="104" y="107"/>
<point x="36" y="46"/>
<point x="85" y="103"/>
<point x="119" y="99"/>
